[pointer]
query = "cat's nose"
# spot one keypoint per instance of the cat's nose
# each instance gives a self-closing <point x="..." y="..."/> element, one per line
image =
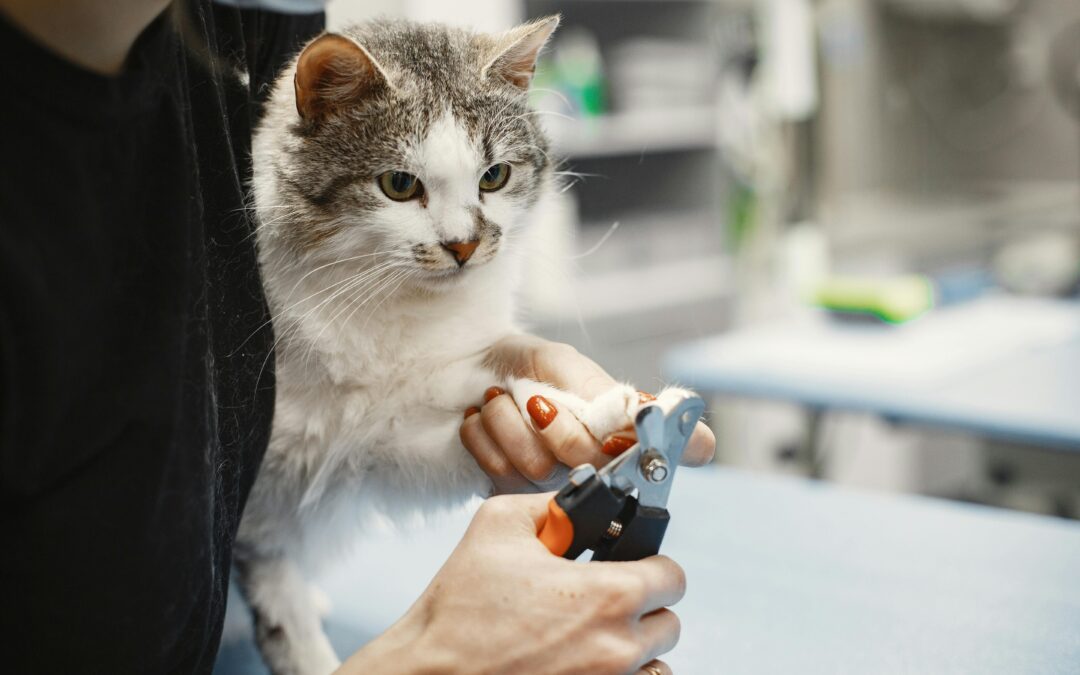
<point x="461" y="250"/>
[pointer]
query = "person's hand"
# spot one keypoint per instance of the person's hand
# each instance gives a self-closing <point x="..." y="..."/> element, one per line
<point x="503" y="603"/>
<point x="516" y="452"/>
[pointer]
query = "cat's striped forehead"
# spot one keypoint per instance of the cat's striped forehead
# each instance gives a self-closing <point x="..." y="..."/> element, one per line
<point x="435" y="70"/>
<point x="443" y="116"/>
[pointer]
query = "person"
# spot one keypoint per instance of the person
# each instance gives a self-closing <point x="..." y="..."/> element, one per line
<point x="135" y="401"/>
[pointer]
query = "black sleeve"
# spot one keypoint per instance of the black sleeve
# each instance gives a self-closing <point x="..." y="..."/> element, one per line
<point x="260" y="43"/>
<point x="135" y="399"/>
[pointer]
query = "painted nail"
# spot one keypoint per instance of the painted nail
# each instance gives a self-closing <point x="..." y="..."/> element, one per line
<point x="541" y="410"/>
<point x="492" y="392"/>
<point x="644" y="397"/>
<point x="616" y="445"/>
<point x="471" y="410"/>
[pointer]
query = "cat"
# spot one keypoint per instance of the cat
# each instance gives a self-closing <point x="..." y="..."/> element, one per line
<point x="394" y="170"/>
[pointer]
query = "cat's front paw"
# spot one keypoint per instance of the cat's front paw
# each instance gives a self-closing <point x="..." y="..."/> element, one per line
<point x="611" y="412"/>
<point x="609" y="418"/>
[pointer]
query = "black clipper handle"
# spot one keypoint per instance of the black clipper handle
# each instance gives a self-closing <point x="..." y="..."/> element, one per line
<point x="593" y="516"/>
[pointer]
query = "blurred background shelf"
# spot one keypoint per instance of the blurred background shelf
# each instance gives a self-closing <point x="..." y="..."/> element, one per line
<point x="635" y="132"/>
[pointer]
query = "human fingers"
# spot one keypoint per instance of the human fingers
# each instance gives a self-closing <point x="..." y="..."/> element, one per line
<point x="700" y="448"/>
<point x="655" y="667"/>
<point x="552" y="362"/>
<point x="659" y="633"/>
<point x="562" y="434"/>
<point x="503" y="423"/>
<point x="505" y="478"/>
<point x="652" y="583"/>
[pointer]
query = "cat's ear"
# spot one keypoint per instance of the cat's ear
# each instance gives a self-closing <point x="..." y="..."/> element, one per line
<point x="517" y="49"/>
<point x="333" y="72"/>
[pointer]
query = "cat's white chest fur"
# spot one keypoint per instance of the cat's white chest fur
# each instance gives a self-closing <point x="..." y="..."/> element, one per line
<point x="367" y="410"/>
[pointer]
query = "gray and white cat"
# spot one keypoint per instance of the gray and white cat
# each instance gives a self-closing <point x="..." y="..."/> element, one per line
<point x="393" y="171"/>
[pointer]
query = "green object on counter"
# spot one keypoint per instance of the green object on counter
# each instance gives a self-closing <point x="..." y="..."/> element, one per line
<point x="893" y="300"/>
<point x="742" y="206"/>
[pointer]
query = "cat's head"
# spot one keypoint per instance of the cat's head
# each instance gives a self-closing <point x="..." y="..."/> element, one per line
<point x="409" y="143"/>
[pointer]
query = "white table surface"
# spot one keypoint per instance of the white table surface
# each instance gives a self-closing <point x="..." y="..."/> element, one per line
<point x="793" y="576"/>
<point x="1000" y="366"/>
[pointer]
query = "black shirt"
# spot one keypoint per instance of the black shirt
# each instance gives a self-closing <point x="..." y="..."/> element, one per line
<point x="136" y="380"/>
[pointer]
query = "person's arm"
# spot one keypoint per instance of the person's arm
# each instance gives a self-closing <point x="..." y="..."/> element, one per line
<point x="90" y="33"/>
<point x="503" y="603"/>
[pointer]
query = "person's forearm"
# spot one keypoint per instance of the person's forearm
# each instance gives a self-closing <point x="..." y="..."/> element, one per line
<point x="94" y="34"/>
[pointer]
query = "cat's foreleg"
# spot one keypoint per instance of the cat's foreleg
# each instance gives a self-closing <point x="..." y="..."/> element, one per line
<point x="288" y="619"/>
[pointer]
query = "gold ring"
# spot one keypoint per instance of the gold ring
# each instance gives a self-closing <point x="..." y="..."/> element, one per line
<point x="652" y="670"/>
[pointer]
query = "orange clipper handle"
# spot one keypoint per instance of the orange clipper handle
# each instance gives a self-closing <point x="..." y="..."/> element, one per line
<point x="579" y="514"/>
<point x="557" y="532"/>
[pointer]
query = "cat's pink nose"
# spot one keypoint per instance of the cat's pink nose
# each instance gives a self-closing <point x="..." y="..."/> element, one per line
<point x="461" y="250"/>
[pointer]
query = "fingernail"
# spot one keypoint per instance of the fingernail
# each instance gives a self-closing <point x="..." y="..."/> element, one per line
<point x="471" y="410"/>
<point x="541" y="410"/>
<point x="492" y="392"/>
<point x="644" y="397"/>
<point x="616" y="445"/>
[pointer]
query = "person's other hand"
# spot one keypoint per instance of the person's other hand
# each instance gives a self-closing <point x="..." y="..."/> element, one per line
<point x="503" y="603"/>
<point x="516" y="452"/>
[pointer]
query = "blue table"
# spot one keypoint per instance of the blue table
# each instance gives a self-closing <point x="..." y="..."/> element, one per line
<point x="788" y="576"/>
<point x="1002" y="367"/>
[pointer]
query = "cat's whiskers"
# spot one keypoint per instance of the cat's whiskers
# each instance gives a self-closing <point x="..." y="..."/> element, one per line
<point x="267" y="222"/>
<point x="355" y="280"/>
<point x="295" y="323"/>
<point x="293" y="290"/>
<point x="331" y="264"/>
<point x="578" y="177"/>
<point x="528" y="146"/>
<point x="357" y="293"/>
<point x="499" y="117"/>
<point x="371" y="286"/>
<point x="530" y="113"/>
<point x="559" y="94"/>
<point x="578" y="174"/>
<point x="403" y="278"/>
<point x="349" y="282"/>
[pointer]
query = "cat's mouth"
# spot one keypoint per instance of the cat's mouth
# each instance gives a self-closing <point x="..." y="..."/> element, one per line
<point x="446" y="277"/>
<point x="440" y="277"/>
<point x="447" y="274"/>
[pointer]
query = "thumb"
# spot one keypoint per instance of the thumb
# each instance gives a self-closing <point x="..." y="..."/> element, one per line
<point x="522" y="514"/>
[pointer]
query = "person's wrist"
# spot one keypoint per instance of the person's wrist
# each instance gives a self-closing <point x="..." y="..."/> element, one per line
<point x="404" y="649"/>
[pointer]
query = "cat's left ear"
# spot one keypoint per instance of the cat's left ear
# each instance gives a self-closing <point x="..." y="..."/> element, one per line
<point x="332" y="73"/>
<point x="517" y="49"/>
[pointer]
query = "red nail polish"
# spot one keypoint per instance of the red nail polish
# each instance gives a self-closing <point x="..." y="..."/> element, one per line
<point x="471" y="410"/>
<point x="616" y="445"/>
<point x="541" y="410"/>
<point x="492" y="392"/>
<point x="644" y="397"/>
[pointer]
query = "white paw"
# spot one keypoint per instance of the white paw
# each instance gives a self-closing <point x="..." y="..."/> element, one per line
<point x="608" y="414"/>
<point x="611" y="411"/>
<point x="669" y="397"/>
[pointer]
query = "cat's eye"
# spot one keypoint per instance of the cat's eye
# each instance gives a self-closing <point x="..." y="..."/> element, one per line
<point x="495" y="177"/>
<point x="400" y="186"/>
